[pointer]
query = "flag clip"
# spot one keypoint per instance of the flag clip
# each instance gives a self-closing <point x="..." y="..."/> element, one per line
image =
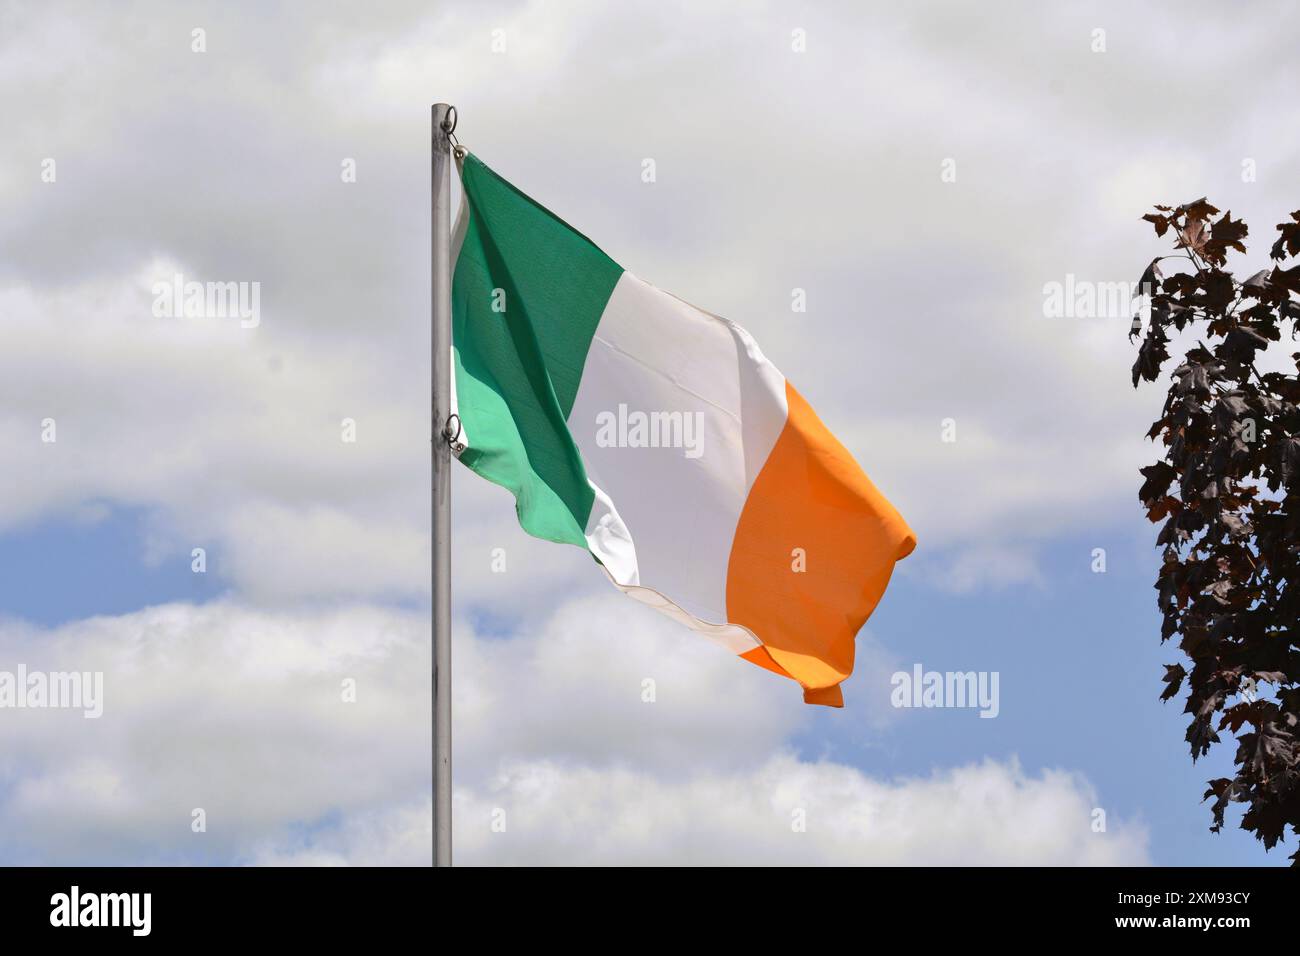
<point x="449" y="122"/>
<point x="448" y="433"/>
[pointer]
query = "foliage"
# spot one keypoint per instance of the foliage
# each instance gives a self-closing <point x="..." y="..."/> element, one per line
<point x="1228" y="493"/>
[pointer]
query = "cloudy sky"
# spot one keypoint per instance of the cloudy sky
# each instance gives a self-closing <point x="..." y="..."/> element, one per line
<point x="922" y="172"/>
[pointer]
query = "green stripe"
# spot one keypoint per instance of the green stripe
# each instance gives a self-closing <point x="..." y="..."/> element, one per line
<point x="517" y="371"/>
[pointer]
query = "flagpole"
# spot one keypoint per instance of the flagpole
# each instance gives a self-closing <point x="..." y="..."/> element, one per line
<point x="443" y="124"/>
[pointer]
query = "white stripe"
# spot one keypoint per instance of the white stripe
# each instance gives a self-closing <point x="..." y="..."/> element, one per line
<point x="668" y="518"/>
<point x="460" y="438"/>
<point x="733" y="637"/>
<point x="608" y="538"/>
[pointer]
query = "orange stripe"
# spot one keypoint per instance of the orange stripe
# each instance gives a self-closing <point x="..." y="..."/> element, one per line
<point x="811" y="495"/>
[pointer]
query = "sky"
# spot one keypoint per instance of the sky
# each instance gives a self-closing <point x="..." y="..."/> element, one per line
<point x="923" y="172"/>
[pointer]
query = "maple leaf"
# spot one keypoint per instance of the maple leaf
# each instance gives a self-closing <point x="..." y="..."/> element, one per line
<point x="1192" y="236"/>
<point x="1160" y="222"/>
<point x="1225" y="234"/>
<point x="1227" y="489"/>
<point x="1288" y="244"/>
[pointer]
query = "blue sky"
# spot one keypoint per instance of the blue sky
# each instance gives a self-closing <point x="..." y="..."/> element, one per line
<point x="59" y="571"/>
<point x="1080" y="664"/>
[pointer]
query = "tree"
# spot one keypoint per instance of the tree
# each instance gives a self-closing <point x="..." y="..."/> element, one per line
<point x="1227" y="490"/>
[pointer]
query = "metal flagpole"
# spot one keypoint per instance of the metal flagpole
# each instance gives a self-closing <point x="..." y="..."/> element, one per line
<point x="444" y="122"/>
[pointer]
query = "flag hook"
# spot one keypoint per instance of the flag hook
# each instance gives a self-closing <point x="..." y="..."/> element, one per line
<point x="447" y="432"/>
<point x="449" y="127"/>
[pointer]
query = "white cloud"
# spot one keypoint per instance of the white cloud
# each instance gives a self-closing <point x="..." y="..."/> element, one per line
<point x="400" y="835"/>
<point x="989" y="567"/>
<point x="990" y="814"/>
<point x="234" y="711"/>
<point x="782" y="812"/>
<point x="240" y="712"/>
<point x="233" y="437"/>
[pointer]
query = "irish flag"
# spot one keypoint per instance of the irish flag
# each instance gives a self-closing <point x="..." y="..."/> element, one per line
<point x="660" y="438"/>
